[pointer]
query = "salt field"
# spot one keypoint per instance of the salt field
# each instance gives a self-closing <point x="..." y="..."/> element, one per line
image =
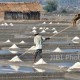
<point x="59" y="53"/>
<point x="57" y="21"/>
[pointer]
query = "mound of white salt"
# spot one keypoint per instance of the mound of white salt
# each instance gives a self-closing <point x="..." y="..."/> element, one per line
<point x="14" y="47"/>
<point x="16" y="68"/>
<point x="15" y="59"/>
<point x="75" y="66"/>
<point x="43" y="31"/>
<point x="57" y="50"/>
<point x="39" y="70"/>
<point x="22" y="42"/>
<point x="8" y="41"/>
<point x="41" y="61"/>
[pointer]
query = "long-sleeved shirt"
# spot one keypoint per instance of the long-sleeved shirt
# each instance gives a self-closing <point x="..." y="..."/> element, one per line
<point x="38" y="41"/>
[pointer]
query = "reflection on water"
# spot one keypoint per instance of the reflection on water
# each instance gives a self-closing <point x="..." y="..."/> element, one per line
<point x="23" y="69"/>
<point x="13" y="68"/>
<point x="5" y="52"/>
<point x="65" y="64"/>
<point x="2" y="52"/>
<point x="15" y="52"/>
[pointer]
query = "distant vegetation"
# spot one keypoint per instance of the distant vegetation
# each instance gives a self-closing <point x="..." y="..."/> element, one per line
<point x="51" y="6"/>
<point x="64" y="11"/>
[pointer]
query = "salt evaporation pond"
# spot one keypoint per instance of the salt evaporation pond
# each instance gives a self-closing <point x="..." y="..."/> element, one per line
<point x="65" y="64"/>
<point x="23" y="69"/>
<point x="57" y="42"/>
<point x="71" y="50"/>
<point x="8" y="69"/>
<point x="5" y="52"/>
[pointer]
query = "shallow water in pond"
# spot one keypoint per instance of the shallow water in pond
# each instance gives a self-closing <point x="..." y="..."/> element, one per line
<point x="23" y="69"/>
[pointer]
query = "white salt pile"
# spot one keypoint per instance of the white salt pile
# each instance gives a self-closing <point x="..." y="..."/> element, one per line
<point x="54" y="29"/>
<point x="34" y="28"/>
<point x="16" y="68"/>
<point x="13" y="52"/>
<point x="47" y="28"/>
<point x="44" y="23"/>
<point x="58" y="23"/>
<point x="15" y="59"/>
<point x="40" y="28"/>
<point x="8" y="41"/>
<point x="39" y="70"/>
<point x="76" y="38"/>
<point x="75" y="66"/>
<point x="5" y="24"/>
<point x="43" y="31"/>
<point x="75" y="41"/>
<point x="55" y="32"/>
<point x="58" y="15"/>
<point x="57" y="50"/>
<point x="11" y="24"/>
<point x="41" y="61"/>
<point x="34" y="31"/>
<point x="50" y="23"/>
<point x="2" y="24"/>
<point x="22" y="42"/>
<point x="32" y="48"/>
<point x="14" y="47"/>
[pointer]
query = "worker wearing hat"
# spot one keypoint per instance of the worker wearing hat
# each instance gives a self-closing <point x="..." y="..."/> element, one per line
<point x="38" y="41"/>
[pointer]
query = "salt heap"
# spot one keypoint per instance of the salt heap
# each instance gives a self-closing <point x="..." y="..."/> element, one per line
<point x="32" y="48"/>
<point x="58" y="23"/>
<point x="55" y="32"/>
<point x="39" y="70"/>
<point x="22" y="42"/>
<point x="44" y="23"/>
<point x="13" y="52"/>
<point x="54" y="29"/>
<point x="34" y="31"/>
<point x="8" y="41"/>
<point x="2" y="24"/>
<point x="58" y="15"/>
<point x="5" y="24"/>
<point x="15" y="59"/>
<point x="40" y="28"/>
<point x="11" y="24"/>
<point x="50" y="23"/>
<point x="75" y="66"/>
<point x="75" y="41"/>
<point x="16" y="68"/>
<point x="34" y="28"/>
<point x="41" y="61"/>
<point x="14" y="47"/>
<point x="43" y="31"/>
<point x="47" y="28"/>
<point x="76" y="38"/>
<point x="57" y="50"/>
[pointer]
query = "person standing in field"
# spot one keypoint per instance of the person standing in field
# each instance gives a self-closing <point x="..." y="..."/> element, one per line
<point x="38" y="41"/>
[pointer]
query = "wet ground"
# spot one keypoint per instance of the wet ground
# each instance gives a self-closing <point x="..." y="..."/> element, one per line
<point x="23" y="31"/>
